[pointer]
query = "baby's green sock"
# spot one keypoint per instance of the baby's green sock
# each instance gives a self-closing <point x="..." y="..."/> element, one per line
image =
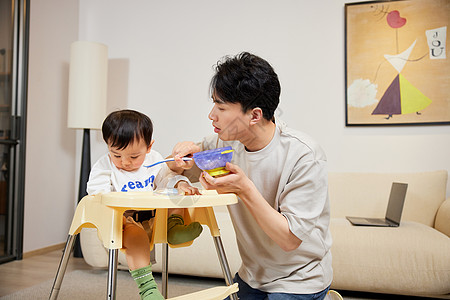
<point x="178" y="233"/>
<point x="148" y="290"/>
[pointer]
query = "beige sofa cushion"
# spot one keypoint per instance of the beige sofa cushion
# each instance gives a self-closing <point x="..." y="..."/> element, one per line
<point x="412" y="259"/>
<point x="443" y="218"/>
<point x="367" y="194"/>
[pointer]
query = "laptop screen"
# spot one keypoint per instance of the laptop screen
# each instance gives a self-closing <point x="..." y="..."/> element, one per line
<point x="396" y="200"/>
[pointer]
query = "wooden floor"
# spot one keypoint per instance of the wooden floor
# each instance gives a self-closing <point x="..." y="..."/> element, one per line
<point x="20" y="274"/>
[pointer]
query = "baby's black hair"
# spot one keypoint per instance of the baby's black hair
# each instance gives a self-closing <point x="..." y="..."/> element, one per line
<point x="125" y="127"/>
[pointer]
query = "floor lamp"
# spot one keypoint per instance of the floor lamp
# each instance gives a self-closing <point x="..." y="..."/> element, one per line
<point x="87" y="101"/>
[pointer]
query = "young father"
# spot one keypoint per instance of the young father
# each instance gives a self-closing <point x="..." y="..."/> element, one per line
<point x="280" y="177"/>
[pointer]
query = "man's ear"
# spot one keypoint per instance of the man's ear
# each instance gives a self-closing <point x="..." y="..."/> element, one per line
<point x="150" y="146"/>
<point x="256" y="116"/>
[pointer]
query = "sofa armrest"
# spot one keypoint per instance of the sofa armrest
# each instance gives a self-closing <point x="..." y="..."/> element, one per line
<point x="442" y="222"/>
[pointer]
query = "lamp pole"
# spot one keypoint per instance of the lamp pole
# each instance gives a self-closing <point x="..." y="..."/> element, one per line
<point x="84" y="177"/>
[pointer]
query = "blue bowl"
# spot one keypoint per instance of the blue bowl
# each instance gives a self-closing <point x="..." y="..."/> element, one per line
<point x="214" y="161"/>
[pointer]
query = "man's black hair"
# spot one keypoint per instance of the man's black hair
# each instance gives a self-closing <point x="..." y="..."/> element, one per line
<point x="249" y="80"/>
<point x="125" y="127"/>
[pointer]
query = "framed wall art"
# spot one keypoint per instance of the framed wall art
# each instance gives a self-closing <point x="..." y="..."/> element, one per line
<point x="397" y="65"/>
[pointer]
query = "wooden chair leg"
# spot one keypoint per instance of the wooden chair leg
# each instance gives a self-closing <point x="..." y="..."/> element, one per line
<point x="62" y="267"/>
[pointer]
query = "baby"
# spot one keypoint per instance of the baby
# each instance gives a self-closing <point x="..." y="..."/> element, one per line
<point x="128" y="134"/>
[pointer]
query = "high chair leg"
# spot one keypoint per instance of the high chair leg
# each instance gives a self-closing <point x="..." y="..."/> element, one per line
<point x="112" y="274"/>
<point x="165" y="269"/>
<point x="62" y="267"/>
<point x="224" y="263"/>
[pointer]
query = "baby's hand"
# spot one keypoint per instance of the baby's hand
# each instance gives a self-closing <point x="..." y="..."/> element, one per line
<point x="187" y="188"/>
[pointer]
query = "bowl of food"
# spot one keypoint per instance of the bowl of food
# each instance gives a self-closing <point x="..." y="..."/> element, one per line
<point x="214" y="161"/>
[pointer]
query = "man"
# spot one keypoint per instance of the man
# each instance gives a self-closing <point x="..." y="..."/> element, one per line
<point x="279" y="174"/>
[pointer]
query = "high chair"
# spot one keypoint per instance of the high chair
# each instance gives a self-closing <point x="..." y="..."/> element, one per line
<point x="105" y="211"/>
<point x="333" y="295"/>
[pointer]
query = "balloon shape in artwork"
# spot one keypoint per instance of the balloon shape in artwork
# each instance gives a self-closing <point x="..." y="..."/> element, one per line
<point x="394" y="20"/>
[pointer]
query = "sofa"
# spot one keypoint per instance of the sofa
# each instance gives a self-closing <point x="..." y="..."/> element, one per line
<point x="412" y="259"/>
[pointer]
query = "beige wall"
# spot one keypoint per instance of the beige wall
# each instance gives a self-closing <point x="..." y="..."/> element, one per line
<point x="50" y="149"/>
<point x="171" y="47"/>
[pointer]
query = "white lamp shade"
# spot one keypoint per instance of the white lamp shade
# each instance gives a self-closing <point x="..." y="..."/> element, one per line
<point x="87" y="85"/>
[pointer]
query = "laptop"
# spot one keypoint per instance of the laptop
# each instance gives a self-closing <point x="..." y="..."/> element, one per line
<point x="393" y="211"/>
